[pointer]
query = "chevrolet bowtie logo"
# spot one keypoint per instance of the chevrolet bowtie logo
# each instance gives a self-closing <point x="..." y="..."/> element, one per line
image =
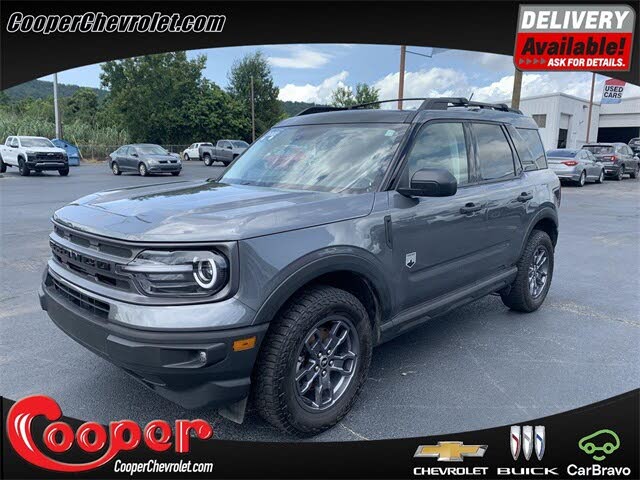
<point x="450" y="451"/>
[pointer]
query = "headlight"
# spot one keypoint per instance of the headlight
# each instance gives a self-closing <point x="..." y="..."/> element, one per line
<point x="197" y="273"/>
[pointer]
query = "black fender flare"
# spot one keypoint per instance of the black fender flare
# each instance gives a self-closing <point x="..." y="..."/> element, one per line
<point x="545" y="213"/>
<point x="321" y="262"/>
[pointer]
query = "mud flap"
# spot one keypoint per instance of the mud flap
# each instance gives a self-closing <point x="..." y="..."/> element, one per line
<point x="235" y="412"/>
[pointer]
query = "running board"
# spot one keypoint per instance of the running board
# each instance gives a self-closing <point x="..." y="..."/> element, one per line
<point x="419" y="314"/>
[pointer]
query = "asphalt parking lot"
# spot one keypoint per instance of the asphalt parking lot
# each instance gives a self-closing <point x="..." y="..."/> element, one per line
<point x="477" y="367"/>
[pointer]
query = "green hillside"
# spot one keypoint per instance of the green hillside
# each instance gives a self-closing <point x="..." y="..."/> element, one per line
<point x="43" y="89"/>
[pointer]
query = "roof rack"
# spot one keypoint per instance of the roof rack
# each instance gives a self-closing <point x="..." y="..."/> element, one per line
<point x="439" y="103"/>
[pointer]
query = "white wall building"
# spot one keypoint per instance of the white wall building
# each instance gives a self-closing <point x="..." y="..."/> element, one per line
<point x="563" y="119"/>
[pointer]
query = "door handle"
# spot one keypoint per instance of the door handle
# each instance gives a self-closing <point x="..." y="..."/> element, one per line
<point x="470" y="208"/>
<point x="524" y="197"/>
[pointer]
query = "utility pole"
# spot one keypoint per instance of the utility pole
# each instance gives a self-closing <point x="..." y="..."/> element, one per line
<point x="253" y="114"/>
<point x="403" y="55"/>
<point x="593" y="81"/>
<point x="517" y="88"/>
<point x="56" y="110"/>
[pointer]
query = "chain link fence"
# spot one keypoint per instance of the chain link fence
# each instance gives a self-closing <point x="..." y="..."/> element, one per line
<point x="98" y="153"/>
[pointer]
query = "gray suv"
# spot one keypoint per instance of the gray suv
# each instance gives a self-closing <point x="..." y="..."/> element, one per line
<point x="337" y="230"/>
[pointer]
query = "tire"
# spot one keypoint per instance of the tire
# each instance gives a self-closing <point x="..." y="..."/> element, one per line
<point x="64" y="172"/>
<point x="22" y="168"/>
<point x="142" y="170"/>
<point x="519" y="295"/>
<point x="635" y="172"/>
<point x="175" y="174"/>
<point x="115" y="168"/>
<point x="276" y="393"/>
<point x="3" y="166"/>
<point x="186" y="157"/>
<point x="620" y="174"/>
<point x="582" y="180"/>
<point x="207" y="160"/>
<point x="601" y="177"/>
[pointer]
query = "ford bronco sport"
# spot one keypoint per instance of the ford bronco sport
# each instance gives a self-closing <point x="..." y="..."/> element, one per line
<point x="337" y="230"/>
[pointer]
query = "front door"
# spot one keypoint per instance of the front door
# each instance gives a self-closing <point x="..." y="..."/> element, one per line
<point x="437" y="241"/>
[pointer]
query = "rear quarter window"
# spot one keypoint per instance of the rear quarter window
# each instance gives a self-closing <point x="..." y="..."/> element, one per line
<point x="529" y="147"/>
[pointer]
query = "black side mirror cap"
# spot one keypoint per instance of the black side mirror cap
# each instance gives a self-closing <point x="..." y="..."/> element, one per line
<point x="431" y="182"/>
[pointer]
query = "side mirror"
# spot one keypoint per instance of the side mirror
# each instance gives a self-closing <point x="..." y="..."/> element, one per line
<point x="431" y="182"/>
<point x="229" y="147"/>
<point x="134" y="154"/>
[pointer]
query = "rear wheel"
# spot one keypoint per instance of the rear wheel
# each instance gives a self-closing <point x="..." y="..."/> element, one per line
<point x="620" y="173"/>
<point x="583" y="179"/>
<point x="23" y="169"/>
<point x="115" y="168"/>
<point x="63" y="172"/>
<point x="314" y="361"/>
<point x="601" y="177"/>
<point x="207" y="159"/>
<point x="535" y="271"/>
<point x="142" y="169"/>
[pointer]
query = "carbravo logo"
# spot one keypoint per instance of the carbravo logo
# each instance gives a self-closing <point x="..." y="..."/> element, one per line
<point x="91" y="437"/>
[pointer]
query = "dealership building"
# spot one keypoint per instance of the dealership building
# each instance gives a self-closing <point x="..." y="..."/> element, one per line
<point x="563" y="119"/>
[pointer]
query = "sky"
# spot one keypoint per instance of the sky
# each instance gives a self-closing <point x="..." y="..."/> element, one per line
<point x="310" y="72"/>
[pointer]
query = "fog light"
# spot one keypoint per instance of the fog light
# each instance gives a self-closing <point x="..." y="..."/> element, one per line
<point x="244" y="344"/>
<point x="202" y="357"/>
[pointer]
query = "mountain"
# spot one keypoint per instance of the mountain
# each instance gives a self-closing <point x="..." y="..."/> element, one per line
<point x="293" y="108"/>
<point x="44" y="89"/>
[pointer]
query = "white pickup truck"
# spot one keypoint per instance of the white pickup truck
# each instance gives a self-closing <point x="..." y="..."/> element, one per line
<point x="32" y="154"/>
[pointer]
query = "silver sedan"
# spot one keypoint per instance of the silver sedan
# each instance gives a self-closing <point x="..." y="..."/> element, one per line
<point x="577" y="166"/>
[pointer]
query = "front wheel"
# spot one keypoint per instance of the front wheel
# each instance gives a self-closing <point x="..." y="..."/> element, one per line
<point x="175" y="174"/>
<point x="635" y="172"/>
<point x="23" y="169"/>
<point x="115" y="168"/>
<point x="535" y="270"/>
<point x="207" y="159"/>
<point x="3" y="166"/>
<point x="185" y="157"/>
<point x="142" y="169"/>
<point x="63" y="172"/>
<point x="314" y="361"/>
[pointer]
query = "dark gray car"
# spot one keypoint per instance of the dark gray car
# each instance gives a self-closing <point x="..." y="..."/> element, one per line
<point x="144" y="158"/>
<point x="617" y="158"/>
<point x="337" y="230"/>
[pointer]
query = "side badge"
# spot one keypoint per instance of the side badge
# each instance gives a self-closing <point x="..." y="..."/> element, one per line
<point x="410" y="259"/>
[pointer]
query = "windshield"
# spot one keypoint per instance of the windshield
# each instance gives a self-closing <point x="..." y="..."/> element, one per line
<point x="240" y="144"/>
<point x="562" y="153"/>
<point x="35" y="142"/>
<point x="599" y="149"/>
<point x="151" y="150"/>
<point x="348" y="158"/>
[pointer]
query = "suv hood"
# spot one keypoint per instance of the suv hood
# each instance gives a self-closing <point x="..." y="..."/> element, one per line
<point x="206" y="211"/>
<point x="44" y="150"/>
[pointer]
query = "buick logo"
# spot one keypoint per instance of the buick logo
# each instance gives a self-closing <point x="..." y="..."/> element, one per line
<point x="525" y="439"/>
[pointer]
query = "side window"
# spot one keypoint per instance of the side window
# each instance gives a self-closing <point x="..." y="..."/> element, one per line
<point x="439" y="145"/>
<point x="8" y="141"/>
<point x="494" y="153"/>
<point x="529" y="147"/>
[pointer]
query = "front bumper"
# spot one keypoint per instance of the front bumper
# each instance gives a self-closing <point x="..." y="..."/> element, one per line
<point x="165" y="167"/>
<point x="190" y="368"/>
<point x="46" y="165"/>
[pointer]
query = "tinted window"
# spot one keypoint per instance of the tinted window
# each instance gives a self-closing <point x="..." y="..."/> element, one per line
<point x="494" y="154"/>
<point x="599" y="149"/>
<point x="564" y="153"/>
<point x="439" y="145"/>
<point x="532" y="148"/>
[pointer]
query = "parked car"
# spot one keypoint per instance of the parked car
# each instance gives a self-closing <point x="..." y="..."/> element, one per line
<point x="144" y="158"/>
<point x="634" y="144"/>
<point x="617" y="158"/>
<point x="193" y="151"/>
<point x="283" y="274"/>
<point x="225" y="151"/>
<point x="32" y="154"/>
<point x="577" y="166"/>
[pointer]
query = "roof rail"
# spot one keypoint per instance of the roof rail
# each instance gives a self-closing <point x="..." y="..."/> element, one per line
<point x="438" y="103"/>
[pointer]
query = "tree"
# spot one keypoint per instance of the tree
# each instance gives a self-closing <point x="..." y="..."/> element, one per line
<point x="82" y="106"/>
<point x="342" y="97"/>
<point x="268" y="110"/>
<point x="367" y="94"/>
<point x="151" y="95"/>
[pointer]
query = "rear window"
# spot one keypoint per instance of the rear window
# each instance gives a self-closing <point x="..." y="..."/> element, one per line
<point x="599" y="149"/>
<point x="562" y="153"/>
<point x="529" y="147"/>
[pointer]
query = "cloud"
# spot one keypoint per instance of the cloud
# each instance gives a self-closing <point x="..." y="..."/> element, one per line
<point x="320" y="93"/>
<point x="488" y="61"/>
<point x="300" y="56"/>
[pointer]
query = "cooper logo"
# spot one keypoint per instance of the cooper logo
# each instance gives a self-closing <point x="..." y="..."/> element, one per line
<point x="91" y="437"/>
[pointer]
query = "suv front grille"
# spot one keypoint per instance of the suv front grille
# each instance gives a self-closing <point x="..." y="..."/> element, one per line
<point x="96" y="307"/>
<point x="44" y="157"/>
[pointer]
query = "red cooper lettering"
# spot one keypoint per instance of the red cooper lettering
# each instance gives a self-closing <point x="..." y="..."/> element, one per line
<point x="91" y="437"/>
